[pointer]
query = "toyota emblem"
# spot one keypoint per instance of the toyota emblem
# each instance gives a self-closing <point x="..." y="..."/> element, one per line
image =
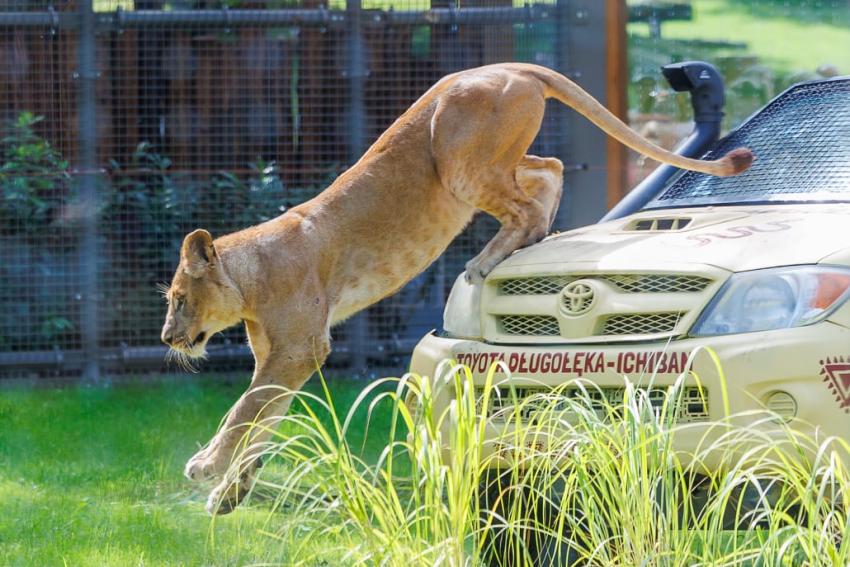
<point x="578" y="297"/>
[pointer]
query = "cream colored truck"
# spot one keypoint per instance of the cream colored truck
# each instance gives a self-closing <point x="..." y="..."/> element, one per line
<point x="757" y="267"/>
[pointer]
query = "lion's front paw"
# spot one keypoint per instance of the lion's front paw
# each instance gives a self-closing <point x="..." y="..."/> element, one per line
<point x="230" y="493"/>
<point x="475" y="272"/>
<point x="205" y="465"/>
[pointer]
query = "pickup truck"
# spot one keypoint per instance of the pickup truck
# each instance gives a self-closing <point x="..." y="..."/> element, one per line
<point x="756" y="267"/>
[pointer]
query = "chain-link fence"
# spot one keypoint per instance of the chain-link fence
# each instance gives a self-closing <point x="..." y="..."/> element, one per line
<point x="127" y="125"/>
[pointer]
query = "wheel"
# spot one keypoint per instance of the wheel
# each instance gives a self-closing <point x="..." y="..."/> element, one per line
<point x="501" y="502"/>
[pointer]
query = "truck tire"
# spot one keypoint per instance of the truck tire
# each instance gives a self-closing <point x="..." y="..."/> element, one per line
<point x="523" y="547"/>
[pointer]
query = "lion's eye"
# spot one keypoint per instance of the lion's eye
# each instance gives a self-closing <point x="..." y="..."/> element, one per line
<point x="179" y="302"/>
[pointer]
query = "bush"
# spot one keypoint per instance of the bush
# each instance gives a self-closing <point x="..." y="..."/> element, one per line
<point x="145" y="210"/>
<point x="34" y="178"/>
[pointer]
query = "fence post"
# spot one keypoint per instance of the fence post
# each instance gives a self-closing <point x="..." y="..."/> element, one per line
<point x="582" y="51"/>
<point x="562" y="62"/>
<point x="355" y="72"/>
<point x="86" y="185"/>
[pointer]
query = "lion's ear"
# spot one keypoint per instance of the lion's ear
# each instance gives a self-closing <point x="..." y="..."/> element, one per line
<point x="198" y="253"/>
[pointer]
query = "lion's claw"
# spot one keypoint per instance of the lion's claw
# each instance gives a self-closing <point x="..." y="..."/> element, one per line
<point x="474" y="274"/>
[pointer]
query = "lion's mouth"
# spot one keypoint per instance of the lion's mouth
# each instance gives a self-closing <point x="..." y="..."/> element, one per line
<point x="193" y="348"/>
<point x="184" y="351"/>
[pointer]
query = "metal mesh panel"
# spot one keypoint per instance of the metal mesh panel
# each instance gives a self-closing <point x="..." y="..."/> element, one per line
<point x="641" y="324"/>
<point x="658" y="283"/>
<point x="770" y="48"/>
<point x="39" y="224"/>
<point x="692" y="404"/>
<point x="212" y="117"/>
<point x="800" y="143"/>
<point x="627" y="283"/>
<point x="530" y="325"/>
<point x="546" y="285"/>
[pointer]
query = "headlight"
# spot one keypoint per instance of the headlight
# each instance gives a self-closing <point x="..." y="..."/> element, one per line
<point x="462" y="317"/>
<point x="777" y="298"/>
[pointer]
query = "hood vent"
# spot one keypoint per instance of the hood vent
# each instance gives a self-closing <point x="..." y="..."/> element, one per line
<point x="661" y="224"/>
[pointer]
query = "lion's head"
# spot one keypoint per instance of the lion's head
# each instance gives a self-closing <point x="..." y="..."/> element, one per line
<point x="202" y="299"/>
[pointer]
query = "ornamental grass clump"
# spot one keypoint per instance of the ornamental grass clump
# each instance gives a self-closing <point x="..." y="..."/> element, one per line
<point x="571" y="475"/>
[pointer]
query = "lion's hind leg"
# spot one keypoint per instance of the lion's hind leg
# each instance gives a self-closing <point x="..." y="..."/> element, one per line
<point x="542" y="179"/>
<point x="524" y="220"/>
<point x="525" y="204"/>
<point x="481" y="131"/>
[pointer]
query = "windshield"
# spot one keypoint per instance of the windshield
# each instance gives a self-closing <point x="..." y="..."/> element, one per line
<point x="802" y="146"/>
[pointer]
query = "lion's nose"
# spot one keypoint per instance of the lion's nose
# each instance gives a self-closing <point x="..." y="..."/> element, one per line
<point x="168" y="335"/>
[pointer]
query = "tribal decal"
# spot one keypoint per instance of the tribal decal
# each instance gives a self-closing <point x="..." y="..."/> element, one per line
<point x="742" y="231"/>
<point x="836" y="374"/>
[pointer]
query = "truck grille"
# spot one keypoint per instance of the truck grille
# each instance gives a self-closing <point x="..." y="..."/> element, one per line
<point x="641" y="324"/>
<point x="659" y="283"/>
<point x="626" y="283"/>
<point x="691" y="405"/>
<point x="530" y="325"/>
<point x="549" y="285"/>
<point x="582" y="307"/>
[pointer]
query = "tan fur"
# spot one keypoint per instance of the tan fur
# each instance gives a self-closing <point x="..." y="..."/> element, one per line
<point x="458" y="149"/>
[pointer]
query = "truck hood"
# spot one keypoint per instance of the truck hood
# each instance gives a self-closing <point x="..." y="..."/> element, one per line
<point x="730" y="238"/>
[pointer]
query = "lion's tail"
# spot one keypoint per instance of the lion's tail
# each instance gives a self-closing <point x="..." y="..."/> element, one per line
<point x="561" y="88"/>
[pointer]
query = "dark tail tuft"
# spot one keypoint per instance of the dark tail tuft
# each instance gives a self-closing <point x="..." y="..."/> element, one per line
<point x="739" y="160"/>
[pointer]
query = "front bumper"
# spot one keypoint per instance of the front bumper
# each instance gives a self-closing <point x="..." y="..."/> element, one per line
<point x="812" y="364"/>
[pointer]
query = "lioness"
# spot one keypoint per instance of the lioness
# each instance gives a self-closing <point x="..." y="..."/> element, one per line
<point x="459" y="149"/>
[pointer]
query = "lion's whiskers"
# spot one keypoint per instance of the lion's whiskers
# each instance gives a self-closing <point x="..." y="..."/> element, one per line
<point x="163" y="289"/>
<point x="186" y="363"/>
<point x="178" y="353"/>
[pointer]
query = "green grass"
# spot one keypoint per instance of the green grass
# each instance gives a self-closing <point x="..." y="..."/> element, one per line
<point x="761" y="48"/>
<point x="94" y="477"/>
<point x="788" y="37"/>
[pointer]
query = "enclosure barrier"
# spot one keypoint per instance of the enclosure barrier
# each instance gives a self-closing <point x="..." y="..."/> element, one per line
<point x="225" y="18"/>
<point x="168" y="129"/>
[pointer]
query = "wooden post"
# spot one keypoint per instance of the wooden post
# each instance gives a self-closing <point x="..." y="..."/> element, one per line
<point x="617" y="79"/>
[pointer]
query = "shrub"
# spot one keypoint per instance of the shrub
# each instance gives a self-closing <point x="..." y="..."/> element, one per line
<point x="34" y="178"/>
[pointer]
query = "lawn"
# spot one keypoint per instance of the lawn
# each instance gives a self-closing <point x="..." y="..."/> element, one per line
<point x="786" y="36"/>
<point x="92" y="476"/>
<point x="761" y="47"/>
